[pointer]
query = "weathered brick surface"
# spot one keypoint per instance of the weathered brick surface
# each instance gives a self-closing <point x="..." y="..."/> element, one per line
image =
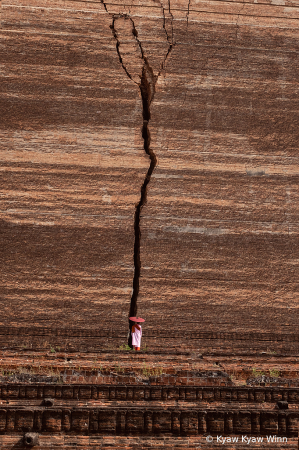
<point x="219" y="235"/>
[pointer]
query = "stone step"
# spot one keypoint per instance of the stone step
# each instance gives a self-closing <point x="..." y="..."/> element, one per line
<point x="122" y="367"/>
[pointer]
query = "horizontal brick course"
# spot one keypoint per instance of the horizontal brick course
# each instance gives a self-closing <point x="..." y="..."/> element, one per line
<point x="152" y="393"/>
<point x="153" y="421"/>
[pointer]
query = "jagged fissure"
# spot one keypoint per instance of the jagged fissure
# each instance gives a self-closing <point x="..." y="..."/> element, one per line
<point x="169" y="39"/>
<point x="147" y="90"/>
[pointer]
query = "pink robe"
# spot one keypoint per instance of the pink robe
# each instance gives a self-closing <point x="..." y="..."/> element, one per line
<point x="136" y="337"/>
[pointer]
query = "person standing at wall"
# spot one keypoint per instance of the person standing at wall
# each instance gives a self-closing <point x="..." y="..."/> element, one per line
<point x="136" y="332"/>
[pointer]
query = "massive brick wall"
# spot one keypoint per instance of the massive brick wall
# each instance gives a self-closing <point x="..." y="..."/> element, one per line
<point x="219" y="238"/>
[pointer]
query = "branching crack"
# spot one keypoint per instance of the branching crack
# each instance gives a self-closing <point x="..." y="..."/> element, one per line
<point x="147" y="86"/>
<point x="104" y="4"/>
<point x="188" y="12"/>
<point x="147" y="89"/>
<point x="170" y="39"/>
<point x="169" y="10"/>
<point x="164" y="22"/>
<point x="117" y="47"/>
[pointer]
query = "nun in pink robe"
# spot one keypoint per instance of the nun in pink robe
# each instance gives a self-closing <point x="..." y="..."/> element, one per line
<point x="136" y="336"/>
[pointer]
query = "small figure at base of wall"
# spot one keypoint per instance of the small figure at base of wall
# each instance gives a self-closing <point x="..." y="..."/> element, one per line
<point x="136" y="332"/>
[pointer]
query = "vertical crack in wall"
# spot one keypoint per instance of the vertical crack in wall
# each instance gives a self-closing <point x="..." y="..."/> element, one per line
<point x="170" y="39"/>
<point x="147" y="90"/>
<point x="147" y="86"/>
<point x="188" y="12"/>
